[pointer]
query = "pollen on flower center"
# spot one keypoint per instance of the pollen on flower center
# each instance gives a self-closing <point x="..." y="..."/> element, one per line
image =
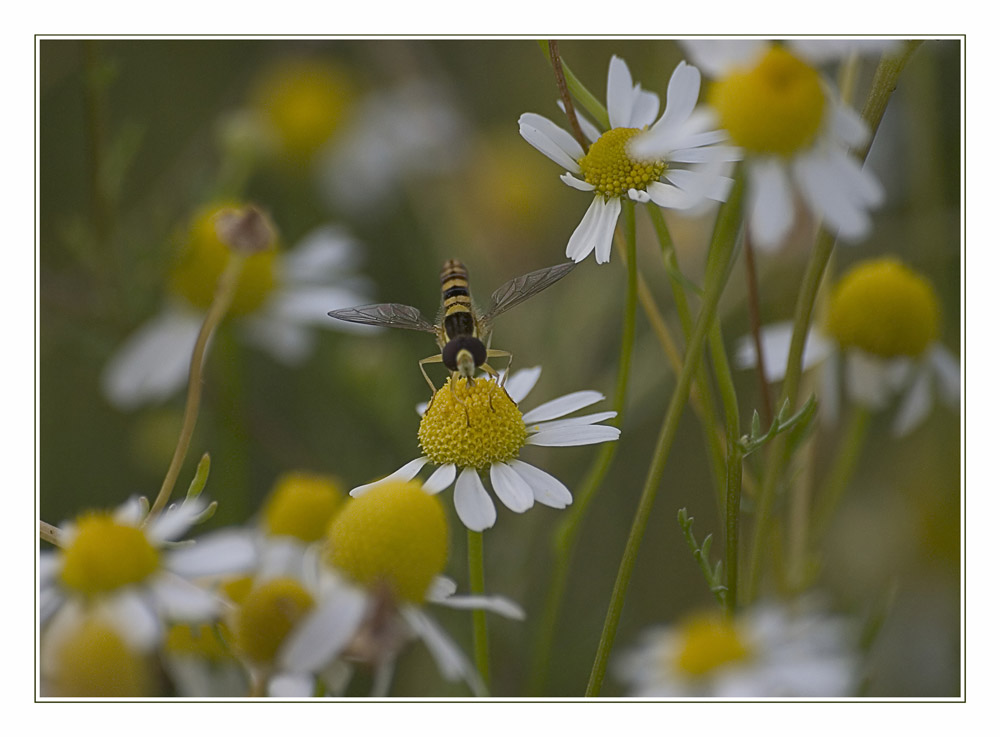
<point x="774" y="108"/>
<point x="610" y="168"/>
<point x="708" y="642"/>
<point x="267" y="615"/>
<point x="105" y="555"/>
<point x="473" y="426"/>
<point x="884" y="308"/>
<point x="302" y="505"/>
<point x="203" y="257"/>
<point x="394" y="535"/>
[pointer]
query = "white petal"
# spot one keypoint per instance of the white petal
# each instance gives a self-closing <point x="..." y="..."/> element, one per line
<point x="406" y="473"/>
<point x="441" y="479"/>
<point x="308" y="305"/>
<point x="590" y="131"/>
<point x="637" y="195"/>
<point x="176" y="519"/>
<point x="591" y="419"/>
<point x="868" y="379"/>
<point x="440" y="589"/>
<point x="828" y="185"/>
<point x="131" y="513"/>
<point x="562" y="406"/>
<point x="286" y="341"/>
<point x="579" y="435"/>
<point x="575" y="183"/>
<point x="182" y="600"/>
<point x="949" y="374"/>
<point x="449" y="658"/>
<point x="496" y="604"/>
<point x="548" y="490"/>
<point x="324" y="632"/>
<point x="521" y="382"/>
<point x="717" y="57"/>
<point x="619" y="93"/>
<point x="153" y="362"/>
<point x="820" y="50"/>
<point x="551" y="140"/>
<point x="291" y="686"/>
<point x="669" y="196"/>
<point x="473" y="503"/>
<point x="49" y="565"/>
<point x="776" y="340"/>
<point x="700" y="183"/>
<point x="595" y="230"/>
<point x="916" y="404"/>
<point x="771" y="204"/>
<point x="682" y="95"/>
<point x="322" y="255"/>
<point x="281" y="556"/>
<point x="134" y="619"/>
<point x="847" y="126"/>
<point x="512" y="490"/>
<point x="222" y="552"/>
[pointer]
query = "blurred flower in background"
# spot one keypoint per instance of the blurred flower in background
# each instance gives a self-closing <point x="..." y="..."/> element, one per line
<point x="280" y="297"/>
<point x="885" y="319"/>
<point x="773" y="649"/>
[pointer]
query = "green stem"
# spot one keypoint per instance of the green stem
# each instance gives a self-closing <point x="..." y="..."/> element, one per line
<point x="734" y="460"/>
<point x="844" y="463"/>
<point x="883" y="84"/>
<point x="587" y="100"/>
<point x="720" y="264"/>
<point x="220" y="303"/>
<point x="477" y="585"/>
<point x="564" y="539"/>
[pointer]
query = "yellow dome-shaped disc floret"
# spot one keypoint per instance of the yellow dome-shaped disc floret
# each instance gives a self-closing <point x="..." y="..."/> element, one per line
<point x="610" y="168"/>
<point x="394" y="535"/>
<point x="304" y="101"/>
<point x="884" y="308"/>
<point x="94" y="661"/>
<point x="203" y="258"/>
<point x="105" y="555"/>
<point x="267" y="615"/>
<point x="708" y="642"/>
<point x="774" y="108"/>
<point x="473" y="426"/>
<point x="301" y="505"/>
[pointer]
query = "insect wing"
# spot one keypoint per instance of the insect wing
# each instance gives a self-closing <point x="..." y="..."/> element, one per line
<point x="389" y="315"/>
<point x="520" y="288"/>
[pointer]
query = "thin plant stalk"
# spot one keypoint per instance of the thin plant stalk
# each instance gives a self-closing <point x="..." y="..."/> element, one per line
<point x="842" y="469"/>
<point x="477" y="585"/>
<point x="566" y="533"/>
<point x="720" y="264"/>
<point x="220" y="303"/>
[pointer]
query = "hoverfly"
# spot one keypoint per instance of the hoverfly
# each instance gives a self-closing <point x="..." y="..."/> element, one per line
<point x="462" y="333"/>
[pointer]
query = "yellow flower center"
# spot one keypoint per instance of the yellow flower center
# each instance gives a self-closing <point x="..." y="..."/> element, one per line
<point x="884" y="308"/>
<point x="95" y="661"/>
<point x="302" y="505"/>
<point x="775" y="107"/>
<point x="394" y="535"/>
<point x="708" y="642"/>
<point x="207" y="641"/>
<point x="267" y="615"/>
<point x="304" y="101"/>
<point x="106" y="555"/>
<point x="203" y="258"/>
<point x="612" y="171"/>
<point x="473" y="426"/>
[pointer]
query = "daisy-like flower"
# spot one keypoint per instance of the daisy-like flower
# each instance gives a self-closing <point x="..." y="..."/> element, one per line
<point x="381" y="562"/>
<point x="474" y="429"/>
<point x="625" y="162"/>
<point x="280" y="296"/>
<point x="795" y="134"/>
<point x="883" y="320"/>
<point x="771" y="650"/>
<point x="134" y="577"/>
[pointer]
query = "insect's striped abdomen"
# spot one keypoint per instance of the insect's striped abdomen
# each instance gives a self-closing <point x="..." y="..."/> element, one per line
<point x="458" y="318"/>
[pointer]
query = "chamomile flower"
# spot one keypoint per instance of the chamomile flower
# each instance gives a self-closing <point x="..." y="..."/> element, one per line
<point x="629" y="161"/>
<point x="279" y="298"/>
<point x="881" y="331"/>
<point x="384" y="554"/>
<point x="795" y="134"/>
<point x="771" y="650"/>
<point x="474" y="429"/>
<point x="134" y="577"/>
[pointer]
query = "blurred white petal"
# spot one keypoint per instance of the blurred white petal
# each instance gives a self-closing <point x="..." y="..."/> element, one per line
<point x="473" y="503"/>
